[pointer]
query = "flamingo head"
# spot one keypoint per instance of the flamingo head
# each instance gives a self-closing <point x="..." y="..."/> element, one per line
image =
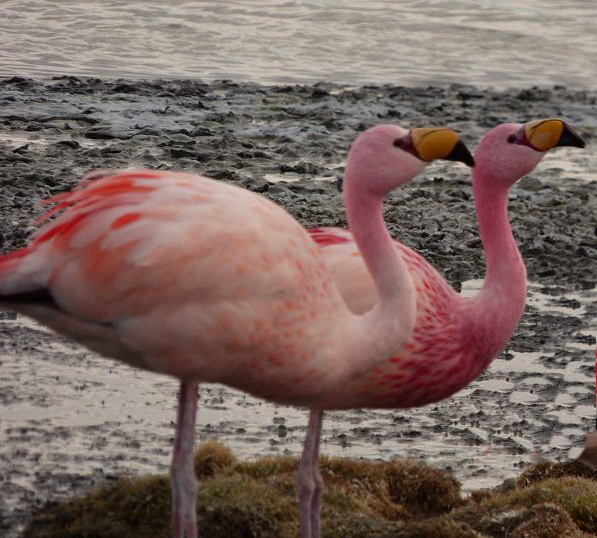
<point x="388" y="156"/>
<point x="510" y="151"/>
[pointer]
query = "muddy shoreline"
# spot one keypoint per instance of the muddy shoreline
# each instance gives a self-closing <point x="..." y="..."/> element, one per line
<point x="289" y="143"/>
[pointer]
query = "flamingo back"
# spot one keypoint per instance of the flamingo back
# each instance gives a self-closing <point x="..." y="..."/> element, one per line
<point x="194" y="277"/>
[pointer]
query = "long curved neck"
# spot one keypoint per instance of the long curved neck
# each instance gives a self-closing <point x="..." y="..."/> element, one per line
<point x="387" y="327"/>
<point x="365" y="220"/>
<point x="497" y="308"/>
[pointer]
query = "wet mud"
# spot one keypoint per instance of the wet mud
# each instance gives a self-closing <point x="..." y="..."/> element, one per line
<point x="70" y="420"/>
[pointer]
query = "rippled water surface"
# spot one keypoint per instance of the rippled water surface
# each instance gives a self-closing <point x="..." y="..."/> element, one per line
<point x="501" y="43"/>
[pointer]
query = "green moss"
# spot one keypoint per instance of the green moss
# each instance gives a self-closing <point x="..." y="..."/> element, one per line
<point x="266" y="467"/>
<point x="439" y="527"/>
<point x="546" y="521"/>
<point x="422" y="489"/>
<point x="359" y="486"/>
<point x="544" y="471"/>
<point x="364" y="471"/>
<point x="578" y="496"/>
<point x="572" y="506"/>
<point x="240" y="506"/>
<point x="131" y="507"/>
<point x="396" y="499"/>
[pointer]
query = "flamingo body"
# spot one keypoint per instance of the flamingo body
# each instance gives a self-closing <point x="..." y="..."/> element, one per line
<point x="123" y="258"/>
<point x="442" y="354"/>
<point x="454" y="338"/>
<point x="194" y="278"/>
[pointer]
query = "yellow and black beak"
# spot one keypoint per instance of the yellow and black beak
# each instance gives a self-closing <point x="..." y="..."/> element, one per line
<point x="543" y="135"/>
<point x="430" y="143"/>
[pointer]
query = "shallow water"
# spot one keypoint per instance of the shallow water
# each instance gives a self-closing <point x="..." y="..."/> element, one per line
<point x="505" y="44"/>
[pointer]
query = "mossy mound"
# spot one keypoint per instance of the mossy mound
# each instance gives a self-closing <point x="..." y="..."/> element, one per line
<point x="578" y="496"/>
<point x="211" y="458"/>
<point x="544" y="471"/>
<point x="138" y="506"/>
<point x="396" y="499"/>
<point x="422" y="489"/>
<point x="437" y="527"/>
<point x="238" y="505"/>
<point x="552" y="508"/>
<point x="546" y="521"/>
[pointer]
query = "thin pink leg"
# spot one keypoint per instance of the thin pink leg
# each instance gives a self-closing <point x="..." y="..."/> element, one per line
<point x="310" y="483"/>
<point x="317" y="492"/>
<point x="182" y="473"/>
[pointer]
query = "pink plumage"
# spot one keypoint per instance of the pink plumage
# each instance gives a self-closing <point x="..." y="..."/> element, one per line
<point x="440" y="357"/>
<point x="454" y="338"/>
<point x="204" y="281"/>
<point x="173" y="265"/>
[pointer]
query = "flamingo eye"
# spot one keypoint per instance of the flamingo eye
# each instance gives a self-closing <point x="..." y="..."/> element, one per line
<point x="512" y="139"/>
<point x="398" y="142"/>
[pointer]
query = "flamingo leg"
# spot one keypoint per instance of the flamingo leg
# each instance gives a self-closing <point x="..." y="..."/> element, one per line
<point x="310" y="482"/>
<point x="182" y="473"/>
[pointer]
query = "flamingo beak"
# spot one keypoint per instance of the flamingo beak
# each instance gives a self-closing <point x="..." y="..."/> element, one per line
<point x="570" y="137"/>
<point x="430" y="143"/>
<point x="461" y="154"/>
<point x="543" y="135"/>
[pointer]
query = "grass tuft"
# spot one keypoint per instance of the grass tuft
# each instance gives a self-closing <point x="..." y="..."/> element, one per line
<point x="424" y="490"/>
<point x="544" y="471"/>
<point x="578" y="496"/>
<point x="133" y="506"/>
<point x="241" y="506"/>
<point x="546" y="521"/>
<point x="438" y="527"/>
<point x="570" y="503"/>
<point x="211" y="458"/>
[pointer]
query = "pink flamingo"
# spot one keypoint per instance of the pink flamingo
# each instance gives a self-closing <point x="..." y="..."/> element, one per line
<point x="204" y="281"/>
<point x="455" y="338"/>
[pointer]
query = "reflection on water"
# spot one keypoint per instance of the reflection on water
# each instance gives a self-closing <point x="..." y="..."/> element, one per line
<point x="575" y="165"/>
<point x="279" y="41"/>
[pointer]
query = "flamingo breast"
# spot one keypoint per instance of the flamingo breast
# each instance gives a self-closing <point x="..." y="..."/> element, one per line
<point x="440" y="358"/>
